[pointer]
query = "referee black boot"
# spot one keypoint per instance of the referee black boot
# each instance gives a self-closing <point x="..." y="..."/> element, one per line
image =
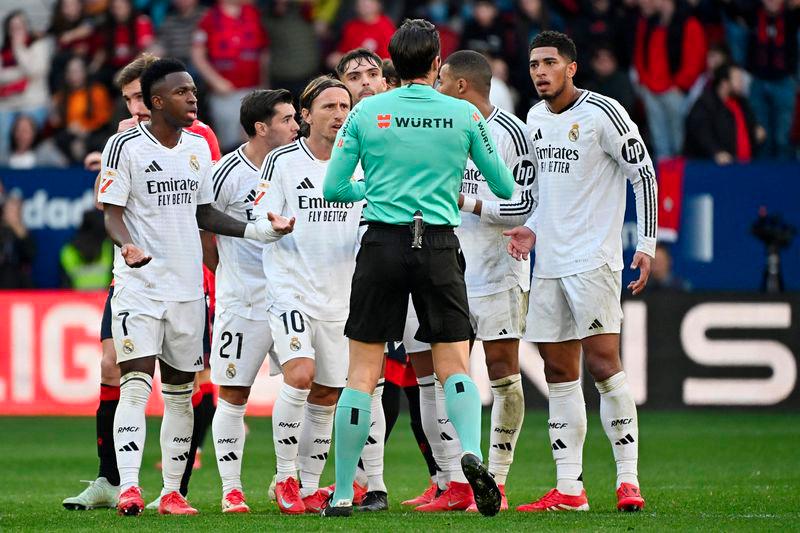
<point x="484" y="488"/>
<point x="374" y="500"/>
<point x="336" y="510"/>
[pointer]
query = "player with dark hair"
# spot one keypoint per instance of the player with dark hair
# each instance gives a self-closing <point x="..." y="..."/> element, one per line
<point x="157" y="192"/>
<point x="413" y="144"/>
<point x="390" y="74"/>
<point x="308" y="277"/>
<point x="585" y="148"/>
<point x="361" y="71"/>
<point x="103" y="491"/>
<point x="242" y="335"/>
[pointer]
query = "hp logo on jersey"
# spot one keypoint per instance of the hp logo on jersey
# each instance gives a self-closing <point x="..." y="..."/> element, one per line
<point x="633" y="151"/>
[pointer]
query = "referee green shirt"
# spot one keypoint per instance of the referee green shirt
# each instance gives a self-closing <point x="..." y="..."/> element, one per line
<point x="413" y="143"/>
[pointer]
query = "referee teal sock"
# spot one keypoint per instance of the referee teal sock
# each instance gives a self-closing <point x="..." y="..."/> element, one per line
<point x="463" y="404"/>
<point x="350" y="434"/>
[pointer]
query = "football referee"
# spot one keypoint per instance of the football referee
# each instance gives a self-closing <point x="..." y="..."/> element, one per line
<point x="413" y="145"/>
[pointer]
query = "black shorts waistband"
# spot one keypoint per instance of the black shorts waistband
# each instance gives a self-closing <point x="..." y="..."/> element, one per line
<point x="406" y="228"/>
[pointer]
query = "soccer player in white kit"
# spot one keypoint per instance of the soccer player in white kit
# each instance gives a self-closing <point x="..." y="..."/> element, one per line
<point x="242" y="336"/>
<point x="585" y="147"/>
<point x="308" y="289"/>
<point x="497" y="285"/>
<point x="157" y="193"/>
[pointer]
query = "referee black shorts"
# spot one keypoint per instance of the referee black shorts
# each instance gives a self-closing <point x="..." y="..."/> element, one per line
<point x="388" y="270"/>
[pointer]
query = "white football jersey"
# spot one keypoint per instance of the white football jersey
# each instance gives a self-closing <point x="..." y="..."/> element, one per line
<point x="490" y="269"/>
<point x="583" y="156"/>
<point x="310" y="269"/>
<point x="160" y="189"/>
<point x="241" y="284"/>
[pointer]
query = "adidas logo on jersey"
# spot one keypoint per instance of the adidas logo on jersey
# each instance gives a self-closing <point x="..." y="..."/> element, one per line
<point x="251" y="197"/>
<point x="154" y="167"/>
<point x="306" y="184"/>
<point x="538" y="135"/>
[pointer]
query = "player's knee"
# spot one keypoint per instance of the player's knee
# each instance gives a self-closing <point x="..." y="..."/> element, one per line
<point x="603" y="367"/>
<point x="299" y="374"/>
<point x="109" y="370"/>
<point x="234" y="395"/>
<point x="321" y="395"/>
<point x="556" y="371"/>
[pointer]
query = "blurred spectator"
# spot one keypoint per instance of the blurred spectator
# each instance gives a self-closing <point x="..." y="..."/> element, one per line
<point x="16" y="245"/>
<point x="80" y="110"/>
<point x="390" y="74"/>
<point x="500" y="94"/>
<point x="72" y="31"/>
<point x="487" y="32"/>
<point x="600" y="22"/>
<point x="669" y="55"/>
<point x="718" y="55"/>
<point x="772" y="60"/>
<point x="721" y="125"/>
<point x="662" y="279"/>
<point x="24" y="64"/>
<point x="291" y="30"/>
<point x="122" y="36"/>
<point x="177" y="31"/>
<point x="28" y="150"/>
<point x="87" y="260"/>
<point x="230" y="51"/>
<point x="532" y="18"/>
<point x="371" y="29"/>
<point x="608" y="80"/>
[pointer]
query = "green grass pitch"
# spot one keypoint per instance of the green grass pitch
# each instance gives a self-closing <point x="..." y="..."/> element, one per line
<point x="711" y="471"/>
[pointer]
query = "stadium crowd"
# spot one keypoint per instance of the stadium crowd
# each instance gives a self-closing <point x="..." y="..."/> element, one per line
<point x="728" y="65"/>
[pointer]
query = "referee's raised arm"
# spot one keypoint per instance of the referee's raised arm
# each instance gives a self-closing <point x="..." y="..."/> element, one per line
<point x="413" y="144"/>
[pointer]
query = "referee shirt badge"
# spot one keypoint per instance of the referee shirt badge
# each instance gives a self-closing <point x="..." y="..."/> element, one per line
<point x="231" y="371"/>
<point x="194" y="164"/>
<point x="574" y="133"/>
<point x="384" y="121"/>
<point x="127" y="346"/>
<point x="294" y="344"/>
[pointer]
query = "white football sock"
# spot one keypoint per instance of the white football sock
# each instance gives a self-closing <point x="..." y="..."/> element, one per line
<point x="315" y="442"/>
<point x="227" y="430"/>
<point x="176" y="433"/>
<point x="450" y="440"/>
<point x="130" y="428"/>
<point x="372" y="455"/>
<point x="430" y="425"/>
<point x="567" y="426"/>
<point x="618" y="414"/>
<point x="287" y="418"/>
<point x="508" y="411"/>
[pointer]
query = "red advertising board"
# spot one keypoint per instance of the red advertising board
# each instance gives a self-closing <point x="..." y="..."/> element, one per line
<point x="50" y="356"/>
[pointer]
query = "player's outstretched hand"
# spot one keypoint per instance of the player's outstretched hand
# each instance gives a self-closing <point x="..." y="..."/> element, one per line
<point x="641" y="261"/>
<point x="134" y="256"/>
<point x="521" y="243"/>
<point x="93" y="161"/>
<point x="281" y="224"/>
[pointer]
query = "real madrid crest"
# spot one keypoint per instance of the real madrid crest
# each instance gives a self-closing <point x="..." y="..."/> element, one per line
<point x="231" y="371"/>
<point x="294" y="344"/>
<point x="574" y="133"/>
<point x="194" y="164"/>
<point x="127" y="346"/>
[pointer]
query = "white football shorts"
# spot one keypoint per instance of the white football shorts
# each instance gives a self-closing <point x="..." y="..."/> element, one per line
<point x="172" y="331"/>
<point x="500" y="315"/>
<point x="296" y="335"/>
<point x="238" y="348"/>
<point x="574" y="307"/>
